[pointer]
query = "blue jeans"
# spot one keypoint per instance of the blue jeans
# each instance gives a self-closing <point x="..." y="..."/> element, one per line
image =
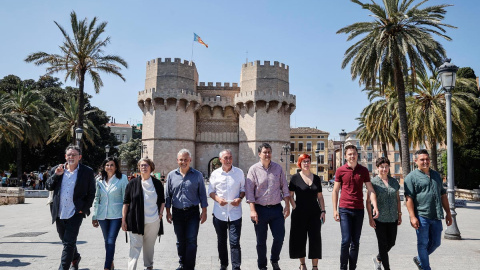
<point x="273" y="217"/>
<point x="429" y="236"/>
<point x="186" y="224"/>
<point x="351" y="222"/>
<point x="110" y="229"/>
<point x="68" y="231"/>
<point x="234" y="229"/>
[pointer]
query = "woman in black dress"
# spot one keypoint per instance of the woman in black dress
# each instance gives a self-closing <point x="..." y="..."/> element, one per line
<point x="308" y="214"/>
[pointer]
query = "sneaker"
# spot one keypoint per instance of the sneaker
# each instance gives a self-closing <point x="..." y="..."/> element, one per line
<point x="75" y="264"/>
<point x="417" y="263"/>
<point x="275" y="266"/>
<point x="376" y="264"/>
<point x="223" y="267"/>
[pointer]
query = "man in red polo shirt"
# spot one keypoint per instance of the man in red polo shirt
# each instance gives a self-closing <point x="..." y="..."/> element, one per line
<point x="350" y="179"/>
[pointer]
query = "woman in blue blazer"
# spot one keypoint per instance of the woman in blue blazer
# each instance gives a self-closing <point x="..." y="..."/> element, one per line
<point x="108" y="203"/>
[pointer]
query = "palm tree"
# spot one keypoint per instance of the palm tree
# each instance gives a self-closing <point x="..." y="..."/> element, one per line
<point x="84" y="54"/>
<point x="10" y="123"/>
<point x="428" y="115"/>
<point x="398" y="40"/>
<point x="32" y="116"/>
<point x="66" y="121"/>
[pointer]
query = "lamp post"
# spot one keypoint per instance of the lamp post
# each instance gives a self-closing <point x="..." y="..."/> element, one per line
<point x="107" y="150"/>
<point x="78" y="135"/>
<point x="343" y="135"/>
<point x="448" y="74"/>
<point x="286" y="148"/>
<point x="317" y="154"/>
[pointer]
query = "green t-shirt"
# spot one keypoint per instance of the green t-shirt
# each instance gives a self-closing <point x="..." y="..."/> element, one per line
<point x="386" y="198"/>
<point x="426" y="193"/>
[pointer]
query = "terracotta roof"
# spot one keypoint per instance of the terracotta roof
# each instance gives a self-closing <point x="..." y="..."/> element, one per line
<point x="307" y="130"/>
<point x="118" y="125"/>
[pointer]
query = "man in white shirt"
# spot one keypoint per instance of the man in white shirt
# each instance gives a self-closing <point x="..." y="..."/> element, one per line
<point x="227" y="189"/>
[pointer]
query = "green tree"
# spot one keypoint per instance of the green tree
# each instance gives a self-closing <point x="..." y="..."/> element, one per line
<point x="81" y="55"/>
<point x="467" y="73"/>
<point x="33" y="118"/>
<point x="399" y="40"/>
<point x="131" y="153"/>
<point x="428" y="113"/>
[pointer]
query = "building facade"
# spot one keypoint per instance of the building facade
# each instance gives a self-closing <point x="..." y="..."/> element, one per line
<point x="181" y="112"/>
<point x="314" y="142"/>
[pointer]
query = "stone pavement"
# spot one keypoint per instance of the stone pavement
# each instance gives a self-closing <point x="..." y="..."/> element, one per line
<point x="28" y="240"/>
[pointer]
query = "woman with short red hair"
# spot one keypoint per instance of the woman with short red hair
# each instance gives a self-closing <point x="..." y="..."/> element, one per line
<point x="308" y="214"/>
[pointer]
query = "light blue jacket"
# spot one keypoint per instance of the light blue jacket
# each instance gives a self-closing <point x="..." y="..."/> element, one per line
<point x="108" y="201"/>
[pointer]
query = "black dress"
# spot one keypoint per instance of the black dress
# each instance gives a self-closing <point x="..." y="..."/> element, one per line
<point x="305" y="220"/>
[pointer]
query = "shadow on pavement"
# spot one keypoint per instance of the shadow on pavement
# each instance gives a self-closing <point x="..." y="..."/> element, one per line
<point x="55" y="243"/>
<point x="20" y="255"/>
<point x="14" y="263"/>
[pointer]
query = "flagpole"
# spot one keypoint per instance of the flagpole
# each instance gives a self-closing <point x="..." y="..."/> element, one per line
<point x="191" y="58"/>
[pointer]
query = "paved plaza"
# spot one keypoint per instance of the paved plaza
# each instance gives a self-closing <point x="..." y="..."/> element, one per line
<point x="28" y="240"/>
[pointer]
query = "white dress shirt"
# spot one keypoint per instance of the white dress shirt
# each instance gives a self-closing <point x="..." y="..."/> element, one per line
<point x="228" y="186"/>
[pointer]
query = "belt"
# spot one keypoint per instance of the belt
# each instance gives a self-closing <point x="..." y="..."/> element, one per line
<point x="269" y="205"/>
<point x="186" y="208"/>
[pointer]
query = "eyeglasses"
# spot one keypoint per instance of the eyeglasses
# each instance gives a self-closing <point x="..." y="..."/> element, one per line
<point x="305" y="161"/>
<point x="144" y="165"/>
<point x="71" y="155"/>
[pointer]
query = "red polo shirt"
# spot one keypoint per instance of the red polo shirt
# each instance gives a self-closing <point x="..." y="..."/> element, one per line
<point x="351" y="182"/>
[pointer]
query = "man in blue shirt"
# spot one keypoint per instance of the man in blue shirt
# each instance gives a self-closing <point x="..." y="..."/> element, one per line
<point x="184" y="191"/>
<point x="73" y="186"/>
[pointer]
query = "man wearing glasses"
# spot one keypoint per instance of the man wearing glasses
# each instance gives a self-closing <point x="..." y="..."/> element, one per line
<point x="73" y="186"/>
<point x="265" y="187"/>
<point x="184" y="191"/>
<point x="227" y="189"/>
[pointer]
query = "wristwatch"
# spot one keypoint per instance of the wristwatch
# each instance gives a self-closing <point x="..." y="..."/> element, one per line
<point x="323" y="211"/>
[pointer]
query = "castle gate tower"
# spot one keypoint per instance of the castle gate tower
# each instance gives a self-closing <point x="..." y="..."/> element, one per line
<point x="168" y="103"/>
<point x="264" y="105"/>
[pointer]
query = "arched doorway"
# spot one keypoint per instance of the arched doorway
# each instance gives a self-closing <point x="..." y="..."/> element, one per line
<point x="213" y="164"/>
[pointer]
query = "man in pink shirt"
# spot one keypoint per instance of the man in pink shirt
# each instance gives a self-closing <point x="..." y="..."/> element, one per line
<point x="265" y="187"/>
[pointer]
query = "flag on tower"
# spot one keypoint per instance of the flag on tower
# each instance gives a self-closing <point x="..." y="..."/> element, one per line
<point x="199" y="39"/>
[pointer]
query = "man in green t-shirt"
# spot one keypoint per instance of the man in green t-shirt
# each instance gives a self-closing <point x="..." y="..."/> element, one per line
<point x="425" y="198"/>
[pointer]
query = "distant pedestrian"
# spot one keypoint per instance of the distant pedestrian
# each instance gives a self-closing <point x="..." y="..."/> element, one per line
<point x="227" y="189"/>
<point x="107" y="206"/>
<point x="40" y="181"/>
<point x="142" y="214"/>
<point x="390" y="217"/>
<point x="73" y="187"/>
<point x="265" y="187"/>
<point x="24" y="179"/>
<point x="308" y="214"/>
<point x="425" y="197"/>
<point x="184" y="192"/>
<point x="349" y="210"/>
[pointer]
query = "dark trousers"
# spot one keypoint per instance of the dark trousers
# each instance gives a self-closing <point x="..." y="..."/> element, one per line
<point x="234" y="229"/>
<point x="68" y="231"/>
<point x="186" y="224"/>
<point x="351" y="222"/>
<point x="386" y="235"/>
<point x="110" y="229"/>
<point x="305" y="224"/>
<point x="273" y="217"/>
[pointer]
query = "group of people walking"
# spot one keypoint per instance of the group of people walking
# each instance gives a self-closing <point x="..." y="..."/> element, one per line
<point x="138" y="206"/>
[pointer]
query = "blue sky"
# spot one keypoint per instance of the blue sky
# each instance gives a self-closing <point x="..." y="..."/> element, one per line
<point x="300" y="34"/>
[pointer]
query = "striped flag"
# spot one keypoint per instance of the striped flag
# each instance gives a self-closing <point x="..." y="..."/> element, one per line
<point x="199" y="39"/>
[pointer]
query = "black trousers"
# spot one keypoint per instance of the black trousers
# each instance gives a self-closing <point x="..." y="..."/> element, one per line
<point x="68" y="231"/>
<point x="386" y="235"/>
<point x="305" y="224"/>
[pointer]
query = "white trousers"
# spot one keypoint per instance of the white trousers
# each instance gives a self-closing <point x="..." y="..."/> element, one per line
<point x="147" y="241"/>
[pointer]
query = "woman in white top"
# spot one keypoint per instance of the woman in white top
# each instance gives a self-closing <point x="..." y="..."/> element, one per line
<point x="107" y="206"/>
<point x="142" y="213"/>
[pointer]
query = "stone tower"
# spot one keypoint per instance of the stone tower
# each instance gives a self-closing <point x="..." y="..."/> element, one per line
<point x="168" y="104"/>
<point x="264" y="106"/>
<point x="181" y="112"/>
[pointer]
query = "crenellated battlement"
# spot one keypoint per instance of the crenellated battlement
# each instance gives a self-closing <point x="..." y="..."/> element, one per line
<point x="267" y="95"/>
<point x="153" y="93"/>
<point x="258" y="63"/>
<point x="159" y="61"/>
<point x="217" y="86"/>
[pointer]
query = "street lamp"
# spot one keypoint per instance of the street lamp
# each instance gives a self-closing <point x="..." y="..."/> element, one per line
<point x="343" y="135"/>
<point x="107" y="150"/>
<point x="78" y="135"/>
<point x="286" y="148"/>
<point x="317" y="154"/>
<point x="448" y="74"/>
